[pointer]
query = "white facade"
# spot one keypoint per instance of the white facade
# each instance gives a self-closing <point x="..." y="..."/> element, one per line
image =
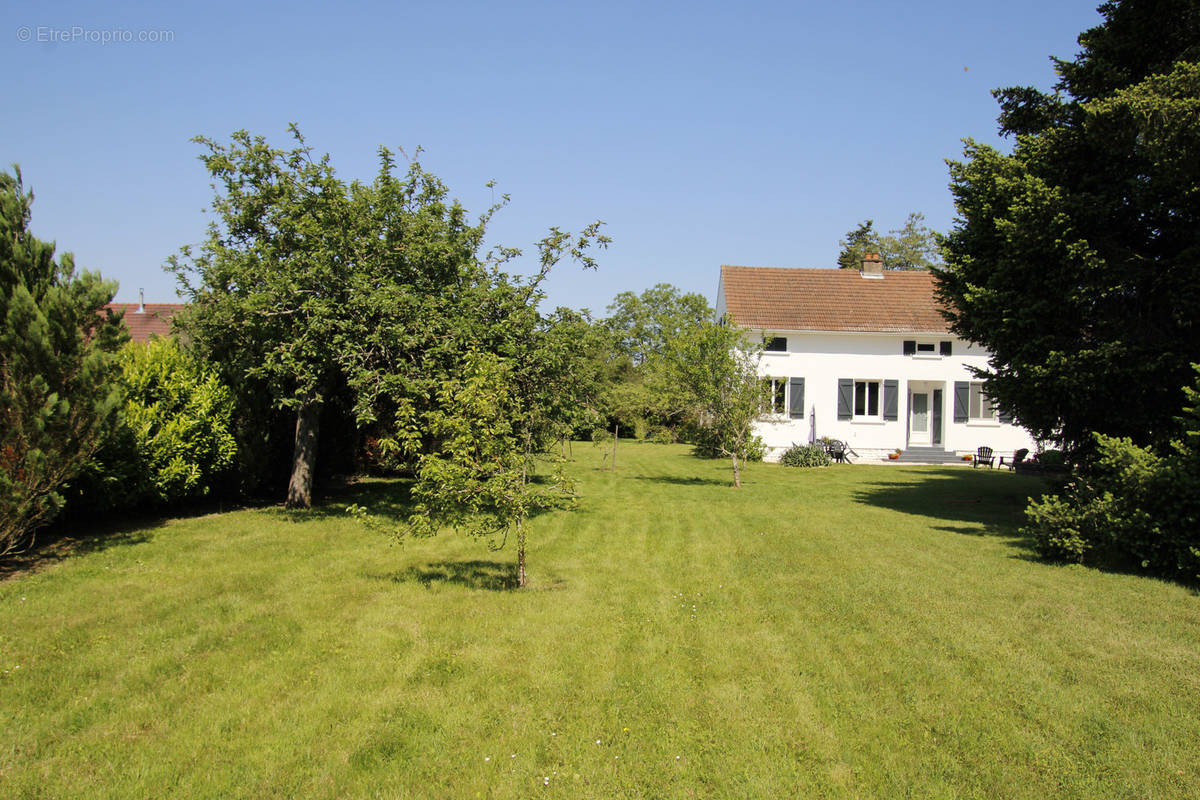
<point x="896" y="401"/>
<point x="876" y="384"/>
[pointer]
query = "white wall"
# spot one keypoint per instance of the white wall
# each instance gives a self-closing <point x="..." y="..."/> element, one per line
<point x="823" y="358"/>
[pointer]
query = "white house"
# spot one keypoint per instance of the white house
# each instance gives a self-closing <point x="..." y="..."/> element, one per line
<point x="864" y="357"/>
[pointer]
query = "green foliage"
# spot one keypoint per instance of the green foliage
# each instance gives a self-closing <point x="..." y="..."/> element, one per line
<point x="716" y="369"/>
<point x="175" y="442"/>
<point x="644" y="325"/>
<point x="567" y="374"/>
<point x="858" y="242"/>
<point x="58" y="402"/>
<point x="1074" y="257"/>
<point x="310" y="290"/>
<point x="706" y="443"/>
<point x="639" y="393"/>
<point x="479" y="478"/>
<point x="805" y="455"/>
<point x="269" y="287"/>
<point x="1052" y="458"/>
<point x="1129" y="506"/>
<point x="910" y="247"/>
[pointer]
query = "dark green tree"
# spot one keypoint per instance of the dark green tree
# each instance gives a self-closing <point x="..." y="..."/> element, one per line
<point x="858" y="242"/>
<point x="58" y="401"/>
<point x="1076" y="258"/>
<point x="912" y="246"/>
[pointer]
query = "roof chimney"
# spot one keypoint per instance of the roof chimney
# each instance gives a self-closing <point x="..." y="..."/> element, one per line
<point x="141" y="301"/>
<point x="872" y="266"/>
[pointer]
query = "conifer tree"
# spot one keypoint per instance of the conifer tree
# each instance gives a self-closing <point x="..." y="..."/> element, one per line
<point x="57" y="359"/>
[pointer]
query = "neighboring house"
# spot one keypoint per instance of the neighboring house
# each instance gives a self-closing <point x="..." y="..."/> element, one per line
<point x="144" y="320"/>
<point x="864" y="357"/>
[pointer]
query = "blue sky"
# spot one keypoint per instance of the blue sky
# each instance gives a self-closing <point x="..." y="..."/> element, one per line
<point x="702" y="133"/>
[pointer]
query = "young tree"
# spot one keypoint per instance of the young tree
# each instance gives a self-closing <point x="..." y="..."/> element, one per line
<point x="717" y="368"/>
<point x="479" y="479"/>
<point x="1074" y="259"/>
<point x="500" y="409"/>
<point x="58" y="401"/>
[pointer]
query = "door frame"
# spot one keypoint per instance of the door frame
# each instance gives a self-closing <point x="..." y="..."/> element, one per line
<point x="935" y="393"/>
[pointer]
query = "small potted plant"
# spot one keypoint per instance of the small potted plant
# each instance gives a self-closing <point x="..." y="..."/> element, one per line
<point x="893" y="456"/>
<point x="968" y="458"/>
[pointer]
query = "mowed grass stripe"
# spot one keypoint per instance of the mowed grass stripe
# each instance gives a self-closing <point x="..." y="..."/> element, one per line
<point x="861" y="631"/>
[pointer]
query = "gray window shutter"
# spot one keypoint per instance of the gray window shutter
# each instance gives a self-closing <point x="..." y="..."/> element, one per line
<point x="910" y="347"/>
<point x="796" y="404"/>
<point x="1006" y="417"/>
<point x="962" y="400"/>
<point x="946" y="348"/>
<point x="845" y="398"/>
<point x="891" y="392"/>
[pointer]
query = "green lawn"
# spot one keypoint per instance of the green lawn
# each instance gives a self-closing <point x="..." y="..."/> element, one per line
<point x="862" y="631"/>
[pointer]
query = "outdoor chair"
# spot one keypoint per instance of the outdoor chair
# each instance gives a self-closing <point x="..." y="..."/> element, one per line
<point x="1017" y="458"/>
<point x="983" y="456"/>
<point x="837" y="451"/>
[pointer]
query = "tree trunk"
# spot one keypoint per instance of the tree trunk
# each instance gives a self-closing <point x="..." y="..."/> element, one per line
<point x="304" y="455"/>
<point x="737" y="473"/>
<point x="520" y="555"/>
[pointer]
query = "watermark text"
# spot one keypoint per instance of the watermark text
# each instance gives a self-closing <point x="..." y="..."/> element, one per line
<point x="80" y="34"/>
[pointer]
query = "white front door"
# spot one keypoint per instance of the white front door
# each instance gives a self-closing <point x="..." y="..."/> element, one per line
<point x="918" y="418"/>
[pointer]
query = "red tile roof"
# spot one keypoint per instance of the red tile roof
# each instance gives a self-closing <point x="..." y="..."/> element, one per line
<point x="786" y="299"/>
<point x="155" y="320"/>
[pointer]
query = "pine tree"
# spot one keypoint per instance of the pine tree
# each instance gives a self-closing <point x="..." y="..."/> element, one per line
<point x="57" y="358"/>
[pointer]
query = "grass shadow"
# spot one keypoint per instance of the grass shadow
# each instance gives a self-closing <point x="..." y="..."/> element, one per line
<point x="492" y="576"/>
<point x="66" y="539"/>
<point x="678" y="481"/>
<point x="991" y="504"/>
<point x="390" y="498"/>
<point x="978" y="503"/>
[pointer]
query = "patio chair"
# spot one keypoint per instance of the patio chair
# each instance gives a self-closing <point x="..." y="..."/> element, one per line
<point x="983" y="456"/>
<point x="1017" y="458"/>
<point x="837" y="451"/>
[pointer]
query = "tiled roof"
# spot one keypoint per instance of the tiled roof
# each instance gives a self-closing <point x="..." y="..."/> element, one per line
<point x="154" y="320"/>
<point x="784" y="299"/>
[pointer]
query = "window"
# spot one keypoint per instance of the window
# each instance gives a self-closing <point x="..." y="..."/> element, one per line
<point x="775" y="396"/>
<point x="911" y="347"/>
<point x="775" y="344"/>
<point x="980" y="407"/>
<point x="866" y="398"/>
